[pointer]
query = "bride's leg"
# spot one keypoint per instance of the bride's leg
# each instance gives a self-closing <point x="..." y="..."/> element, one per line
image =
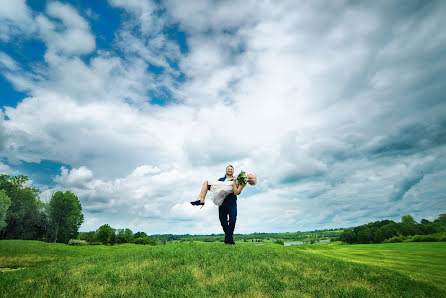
<point x="204" y="191"/>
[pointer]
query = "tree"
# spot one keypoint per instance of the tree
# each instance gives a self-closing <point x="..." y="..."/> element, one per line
<point x="408" y="219"/>
<point x="442" y="219"/>
<point x="146" y="240"/>
<point x="24" y="217"/>
<point x="348" y="236"/>
<point x="88" y="236"/>
<point x="142" y="234"/>
<point x="104" y="234"/>
<point x="5" y="202"/>
<point x="65" y="213"/>
<point x="424" y="221"/>
<point x="125" y="236"/>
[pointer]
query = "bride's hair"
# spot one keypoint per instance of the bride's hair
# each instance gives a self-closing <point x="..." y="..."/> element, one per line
<point x="253" y="181"/>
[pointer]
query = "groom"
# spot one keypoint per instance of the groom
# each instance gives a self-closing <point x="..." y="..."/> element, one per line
<point x="227" y="212"/>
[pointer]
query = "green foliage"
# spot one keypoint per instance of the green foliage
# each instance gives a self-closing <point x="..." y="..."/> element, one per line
<point x="29" y="218"/>
<point x="417" y="238"/>
<point x="88" y="236"/>
<point x="427" y="238"/>
<point x="348" y="236"/>
<point x="5" y="202"/>
<point x="242" y="178"/>
<point x="95" y="243"/>
<point x="278" y="241"/>
<point x="408" y="219"/>
<point x="25" y="217"/>
<point x="442" y="220"/>
<point x="139" y="234"/>
<point x="124" y="236"/>
<point x="107" y="235"/>
<point x="104" y="234"/>
<point x="77" y="242"/>
<point x="256" y="237"/>
<point x="388" y="231"/>
<point x="65" y="214"/>
<point x="145" y="240"/>
<point x="394" y="239"/>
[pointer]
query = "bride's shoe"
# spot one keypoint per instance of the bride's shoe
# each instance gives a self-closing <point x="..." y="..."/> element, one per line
<point x="197" y="203"/>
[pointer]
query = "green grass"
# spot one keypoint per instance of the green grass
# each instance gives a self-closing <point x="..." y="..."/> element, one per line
<point x="214" y="269"/>
<point x="420" y="261"/>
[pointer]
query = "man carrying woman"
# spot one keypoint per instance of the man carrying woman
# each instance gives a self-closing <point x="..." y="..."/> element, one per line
<point x="224" y="194"/>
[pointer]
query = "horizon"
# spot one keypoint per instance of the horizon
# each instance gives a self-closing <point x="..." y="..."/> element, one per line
<point x="337" y="108"/>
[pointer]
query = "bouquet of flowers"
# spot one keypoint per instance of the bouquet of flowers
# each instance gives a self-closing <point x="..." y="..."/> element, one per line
<point x="242" y="178"/>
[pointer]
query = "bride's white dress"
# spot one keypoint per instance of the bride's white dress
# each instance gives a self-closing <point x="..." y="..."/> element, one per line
<point x="219" y="190"/>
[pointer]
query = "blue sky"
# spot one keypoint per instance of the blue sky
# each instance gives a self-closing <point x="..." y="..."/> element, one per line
<point x="131" y="104"/>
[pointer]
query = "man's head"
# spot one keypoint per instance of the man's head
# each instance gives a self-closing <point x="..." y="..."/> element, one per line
<point x="252" y="179"/>
<point x="229" y="170"/>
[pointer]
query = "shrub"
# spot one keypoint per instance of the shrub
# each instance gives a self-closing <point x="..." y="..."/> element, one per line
<point x="427" y="238"/>
<point x="145" y="240"/>
<point x="95" y="243"/>
<point x="77" y="242"/>
<point x="394" y="239"/>
<point x="278" y="241"/>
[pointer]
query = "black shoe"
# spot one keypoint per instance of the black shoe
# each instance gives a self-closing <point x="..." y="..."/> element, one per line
<point x="197" y="203"/>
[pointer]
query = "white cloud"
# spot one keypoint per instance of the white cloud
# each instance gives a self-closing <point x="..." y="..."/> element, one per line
<point x="5" y="169"/>
<point x="74" y="177"/>
<point x="15" y="17"/>
<point x="7" y="62"/>
<point x="73" y="38"/>
<point x="307" y="99"/>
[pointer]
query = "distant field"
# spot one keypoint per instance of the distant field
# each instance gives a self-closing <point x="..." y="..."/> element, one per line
<point x="420" y="260"/>
<point x="214" y="269"/>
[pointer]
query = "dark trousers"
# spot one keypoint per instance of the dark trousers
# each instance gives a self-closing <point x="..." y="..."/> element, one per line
<point x="227" y="213"/>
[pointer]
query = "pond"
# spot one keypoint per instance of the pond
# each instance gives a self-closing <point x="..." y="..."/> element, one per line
<point x="4" y="268"/>
<point x="302" y="242"/>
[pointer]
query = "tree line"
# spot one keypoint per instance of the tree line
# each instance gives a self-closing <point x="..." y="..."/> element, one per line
<point x="24" y="216"/>
<point x="107" y="235"/>
<point x="309" y="236"/>
<point x="385" y="230"/>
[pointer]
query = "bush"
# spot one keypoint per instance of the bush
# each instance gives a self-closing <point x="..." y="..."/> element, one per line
<point x="394" y="239"/>
<point x="427" y="238"/>
<point x="95" y="243"/>
<point x="278" y="241"/>
<point x="145" y="240"/>
<point x="77" y="242"/>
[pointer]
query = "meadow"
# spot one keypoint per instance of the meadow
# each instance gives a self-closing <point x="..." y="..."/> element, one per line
<point x="214" y="269"/>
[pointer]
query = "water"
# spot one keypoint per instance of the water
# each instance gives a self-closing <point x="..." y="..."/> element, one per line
<point x="4" y="268"/>
<point x="301" y="242"/>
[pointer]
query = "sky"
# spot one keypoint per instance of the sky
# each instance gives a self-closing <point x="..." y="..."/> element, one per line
<point x="338" y="107"/>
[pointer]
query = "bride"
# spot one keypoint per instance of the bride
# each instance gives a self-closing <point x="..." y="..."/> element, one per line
<point x="224" y="186"/>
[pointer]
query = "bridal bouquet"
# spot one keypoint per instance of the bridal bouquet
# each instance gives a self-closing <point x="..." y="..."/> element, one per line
<point x="242" y="178"/>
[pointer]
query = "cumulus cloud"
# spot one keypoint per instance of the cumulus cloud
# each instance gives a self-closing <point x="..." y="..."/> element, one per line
<point x="338" y="111"/>
<point x="75" y="177"/>
<point x="15" y="17"/>
<point x="147" y="194"/>
<point x="5" y="169"/>
<point x="74" y="37"/>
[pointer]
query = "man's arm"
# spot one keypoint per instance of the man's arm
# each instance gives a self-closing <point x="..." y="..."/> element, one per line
<point x="237" y="188"/>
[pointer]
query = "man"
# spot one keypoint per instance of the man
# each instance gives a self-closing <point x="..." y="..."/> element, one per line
<point x="227" y="211"/>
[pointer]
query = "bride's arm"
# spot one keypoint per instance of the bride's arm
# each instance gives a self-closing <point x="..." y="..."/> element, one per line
<point x="237" y="188"/>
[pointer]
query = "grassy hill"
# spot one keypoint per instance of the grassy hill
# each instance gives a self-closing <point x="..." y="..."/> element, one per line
<point x="215" y="269"/>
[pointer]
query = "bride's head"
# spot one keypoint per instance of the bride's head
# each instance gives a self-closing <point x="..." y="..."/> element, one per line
<point x="252" y="179"/>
